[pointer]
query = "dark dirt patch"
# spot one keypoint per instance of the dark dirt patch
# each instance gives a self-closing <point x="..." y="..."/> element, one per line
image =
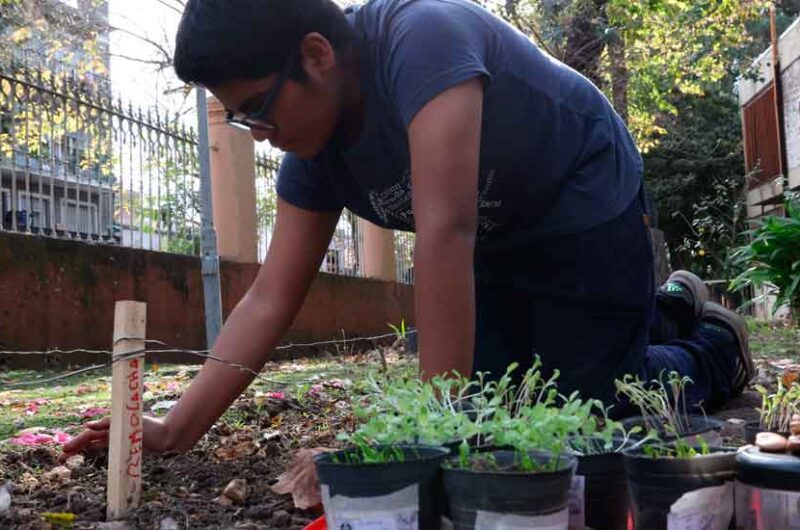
<point x="183" y="487"/>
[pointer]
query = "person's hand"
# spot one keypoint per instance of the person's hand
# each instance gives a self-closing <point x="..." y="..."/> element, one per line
<point x="95" y="436"/>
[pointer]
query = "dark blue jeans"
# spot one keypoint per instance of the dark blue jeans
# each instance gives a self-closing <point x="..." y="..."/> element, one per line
<point x="585" y="303"/>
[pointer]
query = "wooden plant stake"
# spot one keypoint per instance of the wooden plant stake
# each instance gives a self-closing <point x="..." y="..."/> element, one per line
<point x="125" y="438"/>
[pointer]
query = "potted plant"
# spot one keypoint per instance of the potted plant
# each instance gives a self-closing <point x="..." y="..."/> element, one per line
<point x="664" y="466"/>
<point x="407" y="410"/>
<point x="369" y="485"/>
<point x="599" y="494"/>
<point x="663" y="409"/>
<point x="524" y="481"/>
<point x="776" y="411"/>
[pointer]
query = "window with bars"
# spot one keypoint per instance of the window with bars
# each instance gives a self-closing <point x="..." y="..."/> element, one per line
<point x="37" y="208"/>
<point x="79" y="217"/>
<point x="5" y="202"/>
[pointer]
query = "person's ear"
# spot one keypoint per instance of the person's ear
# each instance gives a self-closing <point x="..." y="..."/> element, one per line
<point x="317" y="56"/>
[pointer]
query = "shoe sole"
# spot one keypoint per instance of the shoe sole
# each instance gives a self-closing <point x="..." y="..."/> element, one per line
<point x="695" y="285"/>
<point x="735" y="323"/>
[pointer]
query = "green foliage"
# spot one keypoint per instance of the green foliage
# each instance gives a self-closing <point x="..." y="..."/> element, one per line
<point x="772" y="257"/>
<point x="777" y="408"/>
<point x="531" y="416"/>
<point x="695" y="178"/>
<point x="363" y="452"/>
<point x="679" y="449"/>
<point x="661" y="402"/>
<point x="399" y="331"/>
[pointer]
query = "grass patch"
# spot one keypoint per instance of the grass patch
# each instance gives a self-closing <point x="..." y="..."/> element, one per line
<point x="772" y="340"/>
<point x="58" y="405"/>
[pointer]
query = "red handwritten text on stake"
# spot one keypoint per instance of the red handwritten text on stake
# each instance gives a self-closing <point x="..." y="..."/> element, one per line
<point x="134" y="418"/>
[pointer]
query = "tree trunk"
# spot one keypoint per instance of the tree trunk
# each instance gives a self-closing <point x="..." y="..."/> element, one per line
<point x="586" y="38"/>
<point x="619" y="75"/>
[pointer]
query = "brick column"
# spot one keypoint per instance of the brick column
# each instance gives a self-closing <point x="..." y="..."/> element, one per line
<point x="378" y="259"/>
<point x="233" y="177"/>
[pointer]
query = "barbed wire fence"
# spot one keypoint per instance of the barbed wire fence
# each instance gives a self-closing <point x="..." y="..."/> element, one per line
<point x="205" y="354"/>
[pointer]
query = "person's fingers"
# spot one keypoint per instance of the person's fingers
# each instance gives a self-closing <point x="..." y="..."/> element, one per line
<point x="97" y="425"/>
<point x="79" y="442"/>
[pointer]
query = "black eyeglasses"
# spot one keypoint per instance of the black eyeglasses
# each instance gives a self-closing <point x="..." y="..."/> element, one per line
<point x="260" y="118"/>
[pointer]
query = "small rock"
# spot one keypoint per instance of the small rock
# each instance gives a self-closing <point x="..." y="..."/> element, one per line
<point x="236" y="491"/>
<point x="222" y="500"/>
<point x="733" y="428"/>
<point x="258" y="513"/>
<point x="272" y="435"/>
<point x="5" y="497"/>
<point x="794" y="444"/>
<point x="281" y="518"/>
<point x="769" y="442"/>
<point x="74" y="462"/>
<point x="58" y="474"/>
<point x="114" y="525"/>
<point x="168" y="524"/>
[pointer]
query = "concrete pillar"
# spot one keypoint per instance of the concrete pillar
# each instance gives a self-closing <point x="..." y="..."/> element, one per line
<point x="233" y="185"/>
<point x="378" y="259"/>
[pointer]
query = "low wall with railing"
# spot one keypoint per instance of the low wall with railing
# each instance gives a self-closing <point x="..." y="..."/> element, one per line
<point x="60" y="294"/>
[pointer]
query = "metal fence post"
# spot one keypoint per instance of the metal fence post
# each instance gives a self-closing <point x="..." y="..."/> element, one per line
<point x="208" y="237"/>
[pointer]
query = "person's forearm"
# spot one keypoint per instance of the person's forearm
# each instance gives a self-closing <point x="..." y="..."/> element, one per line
<point x="445" y="301"/>
<point x="250" y="333"/>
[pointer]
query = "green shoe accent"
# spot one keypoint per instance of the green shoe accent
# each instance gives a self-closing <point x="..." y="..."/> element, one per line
<point x="673" y="288"/>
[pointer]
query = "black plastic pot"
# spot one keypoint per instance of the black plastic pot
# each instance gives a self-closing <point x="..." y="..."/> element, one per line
<point x="766" y="495"/>
<point x="421" y="466"/>
<point x="655" y="484"/>
<point x="752" y="428"/>
<point x="605" y="491"/>
<point x="698" y="425"/>
<point x="507" y="492"/>
<point x="768" y="470"/>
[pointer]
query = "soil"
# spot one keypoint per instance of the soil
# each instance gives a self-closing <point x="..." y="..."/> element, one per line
<point x="180" y="491"/>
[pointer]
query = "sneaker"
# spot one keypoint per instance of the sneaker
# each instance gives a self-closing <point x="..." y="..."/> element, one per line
<point x="714" y="313"/>
<point x="688" y="287"/>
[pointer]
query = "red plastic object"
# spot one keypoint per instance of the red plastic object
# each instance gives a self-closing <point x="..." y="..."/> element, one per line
<point x="319" y="524"/>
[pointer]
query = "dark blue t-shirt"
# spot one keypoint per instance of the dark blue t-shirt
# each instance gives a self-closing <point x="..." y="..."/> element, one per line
<point x="555" y="158"/>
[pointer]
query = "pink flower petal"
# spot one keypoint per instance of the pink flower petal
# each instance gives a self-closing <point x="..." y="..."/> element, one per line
<point x="32" y="439"/>
<point x="91" y="412"/>
<point x="62" y="437"/>
<point x="275" y="395"/>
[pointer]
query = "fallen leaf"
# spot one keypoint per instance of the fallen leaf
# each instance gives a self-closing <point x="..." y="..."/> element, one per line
<point x="236" y="491"/>
<point x="300" y="479"/>
<point x="61" y="520"/>
<point x="83" y="389"/>
<point x="239" y="450"/>
<point x="791" y="375"/>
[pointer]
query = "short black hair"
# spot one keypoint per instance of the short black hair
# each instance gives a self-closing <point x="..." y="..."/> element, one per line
<point x="222" y="40"/>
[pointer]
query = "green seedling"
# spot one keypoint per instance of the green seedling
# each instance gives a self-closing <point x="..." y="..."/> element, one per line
<point x="661" y="402"/>
<point x="777" y="408"/>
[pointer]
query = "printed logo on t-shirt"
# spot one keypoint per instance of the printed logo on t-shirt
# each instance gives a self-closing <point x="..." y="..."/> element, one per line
<point x="393" y="204"/>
